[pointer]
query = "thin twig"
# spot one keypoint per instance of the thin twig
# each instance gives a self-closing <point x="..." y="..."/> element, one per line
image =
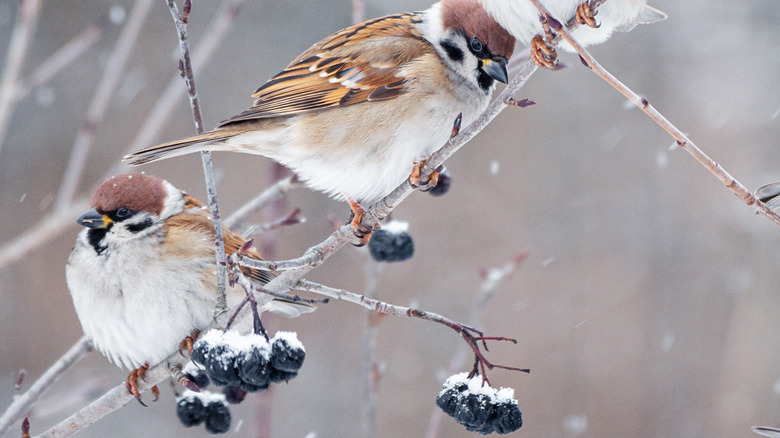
<point x="371" y="368"/>
<point x="21" y="405"/>
<point x="185" y="65"/>
<point x="29" y="11"/>
<point x="115" y="68"/>
<point x="682" y="140"/>
<point x="358" y="11"/>
<point x="64" y="56"/>
<point x="492" y="279"/>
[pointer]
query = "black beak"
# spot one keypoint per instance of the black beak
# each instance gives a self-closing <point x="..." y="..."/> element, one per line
<point x="496" y="69"/>
<point x="94" y="220"/>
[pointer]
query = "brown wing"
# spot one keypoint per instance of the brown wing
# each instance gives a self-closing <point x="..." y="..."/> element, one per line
<point x="357" y="64"/>
<point x="202" y="224"/>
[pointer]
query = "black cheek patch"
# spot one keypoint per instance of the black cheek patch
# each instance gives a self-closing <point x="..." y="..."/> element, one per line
<point x="95" y="238"/>
<point x="453" y="52"/>
<point x="484" y="80"/>
<point x="135" y="228"/>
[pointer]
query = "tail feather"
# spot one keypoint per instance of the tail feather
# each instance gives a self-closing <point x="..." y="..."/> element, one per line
<point x="176" y="148"/>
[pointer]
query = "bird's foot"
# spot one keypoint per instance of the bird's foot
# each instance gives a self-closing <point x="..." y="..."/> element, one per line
<point x="415" y="179"/>
<point x="543" y="54"/>
<point x="586" y="16"/>
<point x="132" y="383"/>
<point x="361" y="231"/>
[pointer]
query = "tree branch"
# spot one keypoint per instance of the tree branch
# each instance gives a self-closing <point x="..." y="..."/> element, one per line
<point x="682" y="140"/>
<point x="185" y="65"/>
<point x="21" y="405"/>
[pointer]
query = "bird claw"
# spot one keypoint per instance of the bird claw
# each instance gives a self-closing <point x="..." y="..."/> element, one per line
<point x="131" y="383"/>
<point x="361" y="231"/>
<point x="586" y="16"/>
<point x="543" y="54"/>
<point x="415" y="179"/>
<point x="187" y="343"/>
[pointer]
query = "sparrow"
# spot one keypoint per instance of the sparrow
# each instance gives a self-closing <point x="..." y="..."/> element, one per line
<point x="353" y="114"/>
<point x="521" y="18"/>
<point x="142" y="273"/>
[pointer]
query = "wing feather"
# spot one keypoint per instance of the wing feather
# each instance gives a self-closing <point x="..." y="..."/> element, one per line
<point x="351" y="66"/>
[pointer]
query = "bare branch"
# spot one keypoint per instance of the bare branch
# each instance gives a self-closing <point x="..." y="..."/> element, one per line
<point x="29" y="11"/>
<point x="358" y="11"/>
<point x="21" y="405"/>
<point x="185" y="65"/>
<point x="115" y="67"/>
<point x="371" y="368"/>
<point x="682" y="140"/>
<point x="492" y="279"/>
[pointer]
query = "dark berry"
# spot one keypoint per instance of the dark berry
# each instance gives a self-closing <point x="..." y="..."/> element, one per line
<point x="443" y="186"/>
<point x="217" y="418"/>
<point x="508" y="418"/>
<point x="220" y="366"/>
<point x="278" y="376"/>
<point x="200" y="378"/>
<point x="448" y="400"/>
<point x="387" y="246"/>
<point x="190" y="411"/>
<point x="234" y="394"/>
<point x="253" y="369"/>
<point x="476" y="412"/>
<point x="200" y="352"/>
<point x="286" y="356"/>
<point x="248" y="387"/>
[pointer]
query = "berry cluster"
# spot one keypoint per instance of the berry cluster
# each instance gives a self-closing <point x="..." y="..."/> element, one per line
<point x="392" y="243"/>
<point x="250" y="362"/>
<point x="482" y="409"/>
<point x="194" y="408"/>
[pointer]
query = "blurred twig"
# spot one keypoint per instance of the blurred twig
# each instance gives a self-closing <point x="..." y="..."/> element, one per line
<point x="371" y="368"/>
<point x="23" y="403"/>
<point x="57" y="222"/>
<point x="64" y="56"/>
<point x="491" y="280"/>
<point x="682" y="140"/>
<point x="29" y="11"/>
<point x="115" y="68"/>
<point x="270" y="195"/>
<point x="185" y="65"/>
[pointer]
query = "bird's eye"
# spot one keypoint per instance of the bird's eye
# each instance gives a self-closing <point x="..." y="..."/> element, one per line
<point x="476" y="45"/>
<point x="123" y="213"/>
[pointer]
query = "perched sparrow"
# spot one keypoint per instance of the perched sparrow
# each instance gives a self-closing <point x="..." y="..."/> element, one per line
<point x="521" y="18"/>
<point x="143" y="272"/>
<point x="353" y="113"/>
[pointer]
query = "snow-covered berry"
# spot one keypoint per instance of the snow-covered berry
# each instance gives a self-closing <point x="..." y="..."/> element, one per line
<point x="481" y="408"/>
<point x="220" y="365"/>
<point x="200" y="351"/>
<point x="287" y="352"/>
<point x="217" y="417"/>
<point x="392" y="243"/>
<point x="279" y="376"/>
<point x="443" y="186"/>
<point x="233" y="394"/>
<point x="190" y="410"/>
<point x="508" y="417"/>
<point x="196" y="375"/>
<point x="254" y="370"/>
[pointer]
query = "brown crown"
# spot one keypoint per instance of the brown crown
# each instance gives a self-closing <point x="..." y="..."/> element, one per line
<point x="468" y="16"/>
<point x="136" y="191"/>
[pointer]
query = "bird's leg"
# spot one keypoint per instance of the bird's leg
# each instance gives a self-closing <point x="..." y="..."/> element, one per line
<point x="361" y="231"/>
<point x="187" y="343"/>
<point x="132" y="383"/>
<point x="542" y="49"/>
<point x="586" y="16"/>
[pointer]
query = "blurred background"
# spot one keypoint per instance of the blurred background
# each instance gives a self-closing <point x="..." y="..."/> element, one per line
<point x="647" y="306"/>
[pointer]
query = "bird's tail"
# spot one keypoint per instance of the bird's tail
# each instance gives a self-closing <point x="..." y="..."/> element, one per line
<point x="202" y="142"/>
